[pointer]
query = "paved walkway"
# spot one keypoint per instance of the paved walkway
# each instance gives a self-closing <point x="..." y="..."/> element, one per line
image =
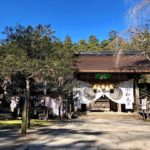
<point x="82" y="134"/>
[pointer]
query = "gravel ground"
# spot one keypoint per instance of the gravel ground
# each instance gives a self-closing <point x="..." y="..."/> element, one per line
<point x="87" y="133"/>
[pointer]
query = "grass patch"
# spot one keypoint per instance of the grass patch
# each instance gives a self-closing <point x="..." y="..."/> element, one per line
<point x="39" y="123"/>
<point x="147" y="120"/>
<point x="7" y="124"/>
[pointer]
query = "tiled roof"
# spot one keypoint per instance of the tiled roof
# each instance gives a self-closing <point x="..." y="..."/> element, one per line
<point x="111" y="62"/>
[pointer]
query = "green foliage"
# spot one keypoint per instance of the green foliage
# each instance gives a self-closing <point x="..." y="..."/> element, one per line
<point x="93" y="43"/>
<point x="62" y="69"/>
<point x="83" y="46"/>
<point x="33" y="40"/>
<point x="27" y="49"/>
<point x="112" y="35"/>
<point x="104" y="44"/>
<point x="145" y="78"/>
<point x="75" y="47"/>
<point x="67" y="42"/>
<point x="36" y="52"/>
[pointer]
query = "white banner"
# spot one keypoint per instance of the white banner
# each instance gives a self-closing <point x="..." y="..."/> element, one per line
<point x="123" y="94"/>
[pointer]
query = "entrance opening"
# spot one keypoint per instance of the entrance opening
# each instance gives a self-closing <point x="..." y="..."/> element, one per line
<point x="113" y="106"/>
<point x="83" y="107"/>
<point x="104" y="104"/>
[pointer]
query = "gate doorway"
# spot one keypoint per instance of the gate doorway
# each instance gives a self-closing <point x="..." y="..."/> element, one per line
<point x="103" y="104"/>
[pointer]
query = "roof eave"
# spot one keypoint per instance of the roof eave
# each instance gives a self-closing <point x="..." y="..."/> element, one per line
<point x="114" y="71"/>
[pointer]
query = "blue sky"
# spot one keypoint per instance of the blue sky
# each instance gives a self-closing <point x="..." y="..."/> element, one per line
<point x="77" y="18"/>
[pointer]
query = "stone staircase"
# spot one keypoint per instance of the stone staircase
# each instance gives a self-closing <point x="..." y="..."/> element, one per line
<point x="109" y="115"/>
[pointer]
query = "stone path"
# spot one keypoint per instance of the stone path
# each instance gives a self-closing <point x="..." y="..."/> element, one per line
<point x="83" y="134"/>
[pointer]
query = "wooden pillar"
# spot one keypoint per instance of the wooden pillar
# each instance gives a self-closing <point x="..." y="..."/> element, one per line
<point x="136" y="97"/>
<point x="119" y="107"/>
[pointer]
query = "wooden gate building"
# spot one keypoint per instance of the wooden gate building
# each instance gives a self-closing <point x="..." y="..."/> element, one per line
<point x="108" y="81"/>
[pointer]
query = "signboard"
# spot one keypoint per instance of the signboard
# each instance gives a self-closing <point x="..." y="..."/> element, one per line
<point x="144" y="102"/>
<point x="102" y="76"/>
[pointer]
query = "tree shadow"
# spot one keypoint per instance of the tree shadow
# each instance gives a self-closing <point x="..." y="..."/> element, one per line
<point x="51" y="135"/>
<point x="48" y="133"/>
<point x="77" y="145"/>
<point x="67" y="122"/>
<point x="65" y="131"/>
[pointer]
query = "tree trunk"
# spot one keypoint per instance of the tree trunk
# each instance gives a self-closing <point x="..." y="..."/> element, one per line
<point x="25" y="110"/>
<point x="60" y="105"/>
<point x="46" y="114"/>
<point x="29" y="110"/>
<point x="46" y="109"/>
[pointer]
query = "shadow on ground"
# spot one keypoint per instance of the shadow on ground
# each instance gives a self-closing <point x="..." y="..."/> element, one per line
<point x="77" y="145"/>
<point x="12" y="139"/>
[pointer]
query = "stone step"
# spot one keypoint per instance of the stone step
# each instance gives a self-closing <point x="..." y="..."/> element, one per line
<point x="110" y="115"/>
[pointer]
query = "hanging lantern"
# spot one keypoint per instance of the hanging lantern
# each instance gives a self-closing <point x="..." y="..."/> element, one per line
<point x="111" y="88"/>
<point x="95" y="87"/>
<point x="103" y="87"/>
